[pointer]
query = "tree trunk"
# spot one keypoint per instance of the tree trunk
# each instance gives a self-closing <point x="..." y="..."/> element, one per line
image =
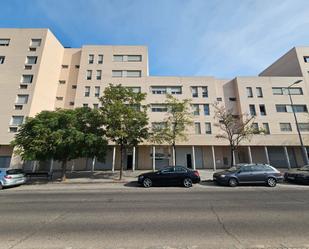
<point x="93" y="163"/>
<point x="64" y="169"/>
<point x="232" y="156"/>
<point x="174" y="154"/>
<point x="121" y="161"/>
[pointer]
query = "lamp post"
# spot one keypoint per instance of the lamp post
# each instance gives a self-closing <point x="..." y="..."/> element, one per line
<point x="303" y="148"/>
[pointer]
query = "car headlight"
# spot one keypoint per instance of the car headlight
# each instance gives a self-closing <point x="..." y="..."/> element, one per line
<point x="222" y="176"/>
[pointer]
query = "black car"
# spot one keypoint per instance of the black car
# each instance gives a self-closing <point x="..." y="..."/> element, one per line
<point x="170" y="176"/>
<point x="249" y="173"/>
<point x="300" y="175"/>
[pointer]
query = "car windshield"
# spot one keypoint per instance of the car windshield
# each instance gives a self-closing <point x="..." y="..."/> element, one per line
<point x="234" y="168"/>
<point x="305" y="168"/>
<point x="14" y="171"/>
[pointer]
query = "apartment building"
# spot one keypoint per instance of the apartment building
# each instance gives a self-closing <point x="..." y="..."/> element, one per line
<point x="37" y="73"/>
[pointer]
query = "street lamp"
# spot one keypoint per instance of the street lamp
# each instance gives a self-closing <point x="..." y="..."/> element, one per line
<point x="303" y="148"/>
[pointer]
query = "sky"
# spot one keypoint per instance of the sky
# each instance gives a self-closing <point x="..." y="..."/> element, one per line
<point x="220" y="38"/>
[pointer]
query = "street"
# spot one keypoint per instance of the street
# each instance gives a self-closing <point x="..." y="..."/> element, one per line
<point x="132" y="217"/>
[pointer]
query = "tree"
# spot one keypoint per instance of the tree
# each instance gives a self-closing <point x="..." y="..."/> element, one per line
<point x="234" y="128"/>
<point x="90" y="122"/>
<point x="125" y="118"/>
<point x="54" y="135"/>
<point x="174" y="126"/>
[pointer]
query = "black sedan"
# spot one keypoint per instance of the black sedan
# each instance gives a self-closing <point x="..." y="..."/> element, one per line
<point x="170" y="176"/>
<point x="248" y="174"/>
<point x="300" y="175"/>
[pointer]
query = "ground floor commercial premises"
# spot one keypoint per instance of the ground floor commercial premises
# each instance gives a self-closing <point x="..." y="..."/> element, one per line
<point x="37" y="73"/>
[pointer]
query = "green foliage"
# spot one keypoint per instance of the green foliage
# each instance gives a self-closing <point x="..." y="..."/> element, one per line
<point x="174" y="126"/>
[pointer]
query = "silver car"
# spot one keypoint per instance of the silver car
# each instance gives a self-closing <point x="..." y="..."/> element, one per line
<point x="11" y="177"/>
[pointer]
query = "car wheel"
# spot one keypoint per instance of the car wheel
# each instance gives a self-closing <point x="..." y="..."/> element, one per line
<point x="233" y="182"/>
<point x="271" y="182"/>
<point x="187" y="183"/>
<point x="147" y="183"/>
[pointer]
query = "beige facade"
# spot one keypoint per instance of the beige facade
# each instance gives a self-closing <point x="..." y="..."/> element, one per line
<point x="37" y="73"/>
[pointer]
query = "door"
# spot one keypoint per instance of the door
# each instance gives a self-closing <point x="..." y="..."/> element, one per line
<point x="245" y="174"/>
<point x="189" y="161"/>
<point x="129" y="161"/>
<point x="165" y="177"/>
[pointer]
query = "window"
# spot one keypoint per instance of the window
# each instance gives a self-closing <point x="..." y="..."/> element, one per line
<point x="71" y="103"/>
<point x="97" y="91"/>
<point x="252" y="110"/>
<point x="22" y="86"/>
<point x="219" y="99"/>
<point x="167" y="170"/>
<point x="206" y="109"/>
<point x="134" y="58"/>
<point x="31" y="60"/>
<point x="303" y="127"/>
<point x="18" y="107"/>
<point x="281" y="108"/>
<point x="90" y="58"/>
<point x="59" y="98"/>
<point x="35" y="43"/>
<point x="300" y="108"/>
<point x="116" y="73"/>
<point x="249" y="92"/>
<point x="118" y="58"/>
<point x="208" y="128"/>
<point x="232" y="99"/>
<point x="135" y="89"/>
<point x="306" y="59"/>
<point x="285" y="127"/>
<point x="194" y="91"/>
<point x="255" y="127"/>
<point x="95" y="106"/>
<point x="85" y="105"/>
<point x="27" y="67"/>
<point x="259" y="92"/>
<point x="27" y="78"/>
<point x="76" y="66"/>
<point x="89" y="74"/>
<point x="158" y="108"/>
<point x="74" y="86"/>
<point x="17" y="120"/>
<point x="204" y="91"/>
<point x="4" y="42"/>
<point x="99" y="74"/>
<point x="288" y="108"/>
<point x="285" y="91"/>
<point x="87" y="91"/>
<point x="196" y="109"/>
<point x="61" y="81"/>
<point x="158" y="125"/>
<point x="32" y="49"/>
<point x="65" y="66"/>
<point x="2" y="59"/>
<point x="174" y="90"/>
<point x="158" y="90"/>
<point x="100" y="59"/>
<point x="197" y="127"/>
<point x="180" y="169"/>
<point x="13" y="129"/>
<point x="22" y="99"/>
<point x="133" y="73"/>
<point x="262" y="110"/>
<point x="266" y="128"/>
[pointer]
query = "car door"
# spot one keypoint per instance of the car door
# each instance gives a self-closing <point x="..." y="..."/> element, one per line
<point x="245" y="174"/>
<point x="180" y="174"/>
<point x="259" y="174"/>
<point x="166" y="177"/>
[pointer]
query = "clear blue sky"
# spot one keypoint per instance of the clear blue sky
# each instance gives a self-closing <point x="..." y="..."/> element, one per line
<point x="224" y="38"/>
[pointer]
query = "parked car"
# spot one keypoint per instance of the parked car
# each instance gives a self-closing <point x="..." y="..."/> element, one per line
<point x="299" y="175"/>
<point x="170" y="176"/>
<point x="249" y="173"/>
<point x="11" y="177"/>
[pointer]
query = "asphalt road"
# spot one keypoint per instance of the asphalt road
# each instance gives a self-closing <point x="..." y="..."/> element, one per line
<point x="200" y="217"/>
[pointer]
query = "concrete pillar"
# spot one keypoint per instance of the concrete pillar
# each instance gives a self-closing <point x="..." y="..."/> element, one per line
<point x="193" y="157"/>
<point x="266" y="154"/>
<point x="114" y="159"/>
<point x="93" y="164"/>
<point x="214" y="157"/>
<point x="51" y="168"/>
<point x="133" y="158"/>
<point x="153" y="158"/>
<point x="287" y="156"/>
<point x="34" y="166"/>
<point x="250" y="155"/>
<point x="174" y="156"/>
